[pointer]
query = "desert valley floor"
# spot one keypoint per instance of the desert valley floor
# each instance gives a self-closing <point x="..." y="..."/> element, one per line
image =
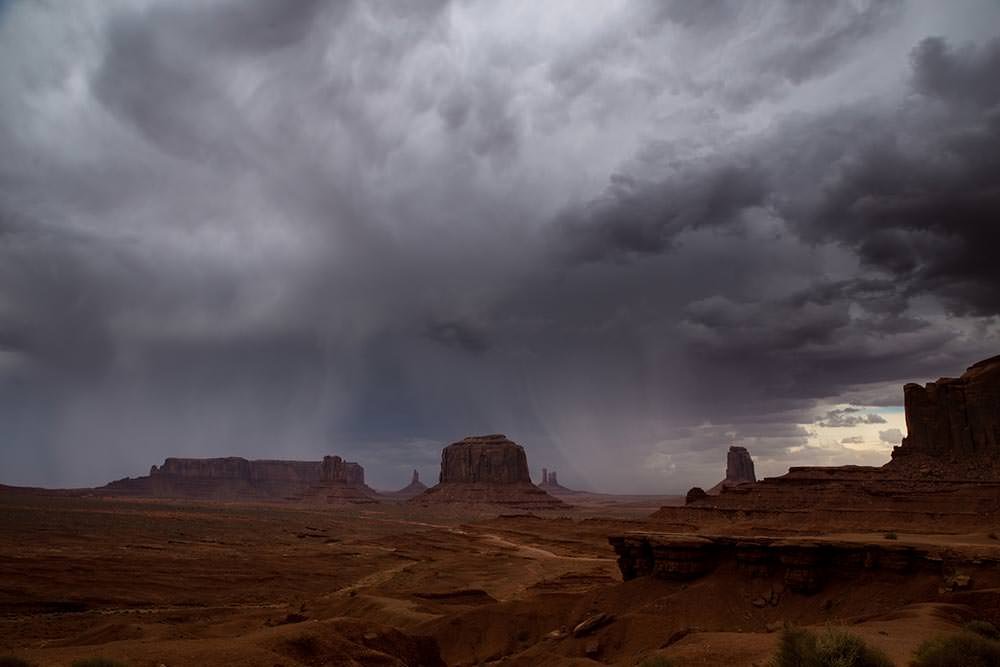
<point x="152" y="582"/>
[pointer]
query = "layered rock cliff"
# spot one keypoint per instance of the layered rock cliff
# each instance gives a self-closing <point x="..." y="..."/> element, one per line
<point x="739" y="466"/>
<point x="487" y="459"/>
<point x="234" y="478"/>
<point x="955" y="420"/>
<point x="486" y="469"/>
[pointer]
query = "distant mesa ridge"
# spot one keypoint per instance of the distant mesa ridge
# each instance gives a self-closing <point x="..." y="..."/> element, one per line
<point x="234" y="478"/>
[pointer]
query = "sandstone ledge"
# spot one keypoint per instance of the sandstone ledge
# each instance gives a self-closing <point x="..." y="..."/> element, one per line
<point x="804" y="565"/>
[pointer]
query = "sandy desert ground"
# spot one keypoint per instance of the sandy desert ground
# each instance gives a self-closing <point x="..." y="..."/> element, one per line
<point x="153" y="583"/>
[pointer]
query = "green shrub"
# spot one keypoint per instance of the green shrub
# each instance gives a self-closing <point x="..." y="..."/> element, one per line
<point x="801" y="648"/>
<point x="13" y="661"/>
<point x="97" y="662"/>
<point x="891" y="536"/>
<point x="961" y="650"/>
<point x="983" y="629"/>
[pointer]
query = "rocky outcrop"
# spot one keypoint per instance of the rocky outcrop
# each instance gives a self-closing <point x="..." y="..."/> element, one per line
<point x="739" y="466"/>
<point x="235" y="478"/>
<point x="955" y="420"/>
<point x="414" y="488"/>
<point x="799" y="564"/>
<point x="487" y="469"/>
<point x="338" y="471"/>
<point x="550" y="483"/>
<point x="739" y="470"/>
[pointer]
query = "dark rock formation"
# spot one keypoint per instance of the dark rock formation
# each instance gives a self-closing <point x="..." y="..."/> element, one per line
<point x="799" y="564"/>
<point x="234" y="478"/>
<point x="739" y="470"/>
<point x="955" y="420"/>
<point x="947" y="469"/>
<point x="695" y="494"/>
<point x="487" y="469"/>
<point x="488" y="459"/>
<point x="550" y="483"/>
<point x="739" y="466"/>
<point x="414" y="488"/>
<point x="339" y="471"/>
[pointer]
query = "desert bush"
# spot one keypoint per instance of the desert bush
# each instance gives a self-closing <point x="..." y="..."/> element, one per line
<point x="983" y="629"/>
<point x="97" y="662"/>
<point x="993" y="536"/>
<point x="13" y="661"/>
<point x="801" y="648"/>
<point x="962" y="650"/>
<point x="891" y="536"/>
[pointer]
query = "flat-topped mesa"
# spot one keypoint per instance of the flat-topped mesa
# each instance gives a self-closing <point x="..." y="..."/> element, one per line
<point x="233" y="477"/>
<point x="485" y="459"/>
<point x="487" y="469"/>
<point x="955" y="420"/>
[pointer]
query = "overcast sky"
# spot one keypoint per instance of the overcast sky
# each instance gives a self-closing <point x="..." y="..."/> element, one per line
<point x="626" y="234"/>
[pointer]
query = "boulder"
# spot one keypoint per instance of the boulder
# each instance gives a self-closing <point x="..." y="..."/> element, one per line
<point x="694" y="495"/>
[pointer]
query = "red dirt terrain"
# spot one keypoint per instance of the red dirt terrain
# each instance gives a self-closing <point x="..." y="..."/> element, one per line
<point x="895" y="555"/>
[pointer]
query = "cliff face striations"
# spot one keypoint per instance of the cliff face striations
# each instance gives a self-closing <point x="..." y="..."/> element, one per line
<point x="739" y="466"/>
<point x="235" y="478"/>
<point x="955" y="420"/>
<point x="486" y="459"/>
<point x="487" y="469"/>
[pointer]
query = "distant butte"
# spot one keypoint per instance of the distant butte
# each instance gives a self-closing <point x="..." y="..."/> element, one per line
<point x="550" y="483"/>
<point x="739" y="470"/>
<point x="414" y="488"/>
<point x="487" y="469"/>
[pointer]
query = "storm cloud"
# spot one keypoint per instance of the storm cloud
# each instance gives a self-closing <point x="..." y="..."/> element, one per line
<point x="627" y="236"/>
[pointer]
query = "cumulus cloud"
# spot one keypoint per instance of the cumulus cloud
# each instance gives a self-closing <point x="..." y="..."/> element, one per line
<point x="849" y="417"/>
<point x="893" y="436"/>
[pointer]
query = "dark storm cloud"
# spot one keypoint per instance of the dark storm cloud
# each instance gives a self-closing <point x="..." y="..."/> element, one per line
<point x="637" y="217"/>
<point x="288" y="229"/>
<point x="849" y="417"/>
